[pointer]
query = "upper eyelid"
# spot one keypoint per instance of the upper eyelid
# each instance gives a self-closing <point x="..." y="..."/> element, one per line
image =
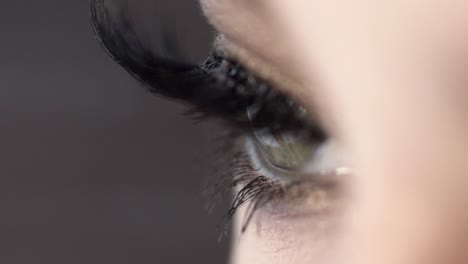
<point x="254" y="63"/>
<point x="271" y="73"/>
<point x="312" y="119"/>
<point x="277" y="109"/>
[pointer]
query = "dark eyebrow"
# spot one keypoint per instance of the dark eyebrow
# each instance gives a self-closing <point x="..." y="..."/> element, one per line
<point x="218" y="87"/>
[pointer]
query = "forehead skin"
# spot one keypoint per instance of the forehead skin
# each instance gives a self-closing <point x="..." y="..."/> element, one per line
<point x="241" y="22"/>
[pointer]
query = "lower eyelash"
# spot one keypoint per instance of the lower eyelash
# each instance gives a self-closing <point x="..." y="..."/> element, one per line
<point x="241" y="176"/>
<point x="256" y="188"/>
<point x="252" y="184"/>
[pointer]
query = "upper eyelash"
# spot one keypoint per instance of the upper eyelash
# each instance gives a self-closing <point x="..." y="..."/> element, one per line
<point x="220" y="87"/>
<point x="273" y="107"/>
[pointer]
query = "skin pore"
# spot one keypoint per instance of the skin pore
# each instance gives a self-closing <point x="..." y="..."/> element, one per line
<point x="389" y="80"/>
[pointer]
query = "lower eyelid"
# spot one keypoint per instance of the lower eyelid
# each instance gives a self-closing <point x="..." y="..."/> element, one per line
<point x="296" y="198"/>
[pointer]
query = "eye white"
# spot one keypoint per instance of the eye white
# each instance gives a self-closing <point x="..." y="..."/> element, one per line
<point x="328" y="157"/>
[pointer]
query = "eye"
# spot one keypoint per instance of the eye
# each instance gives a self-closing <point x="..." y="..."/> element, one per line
<point x="285" y="150"/>
<point x="282" y="157"/>
<point x="288" y="153"/>
<point x="272" y="156"/>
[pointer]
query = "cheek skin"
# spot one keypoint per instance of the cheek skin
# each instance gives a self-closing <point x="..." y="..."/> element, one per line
<point x="277" y="240"/>
<point x="301" y="230"/>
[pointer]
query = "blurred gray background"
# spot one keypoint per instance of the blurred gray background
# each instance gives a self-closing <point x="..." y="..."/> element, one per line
<point x="92" y="168"/>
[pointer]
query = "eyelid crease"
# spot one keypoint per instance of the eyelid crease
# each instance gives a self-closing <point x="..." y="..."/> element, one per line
<point x="256" y="64"/>
<point x="273" y="74"/>
<point x="273" y="108"/>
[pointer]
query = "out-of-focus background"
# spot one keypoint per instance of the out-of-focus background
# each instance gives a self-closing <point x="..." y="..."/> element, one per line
<point x="93" y="169"/>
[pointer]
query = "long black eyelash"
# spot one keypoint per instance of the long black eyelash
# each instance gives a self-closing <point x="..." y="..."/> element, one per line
<point x="254" y="190"/>
<point x="251" y="189"/>
<point x="220" y="87"/>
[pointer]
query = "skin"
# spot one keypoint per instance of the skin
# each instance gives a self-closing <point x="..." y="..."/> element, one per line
<point x="388" y="80"/>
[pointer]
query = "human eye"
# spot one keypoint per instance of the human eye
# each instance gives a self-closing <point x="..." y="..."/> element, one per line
<point x="280" y="154"/>
<point x="283" y="156"/>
